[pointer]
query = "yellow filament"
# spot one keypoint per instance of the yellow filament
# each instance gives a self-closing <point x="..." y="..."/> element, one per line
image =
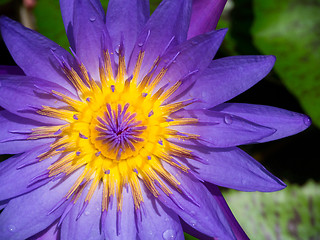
<point x="81" y="137"/>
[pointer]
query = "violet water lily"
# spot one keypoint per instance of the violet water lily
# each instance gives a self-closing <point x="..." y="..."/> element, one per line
<point x="129" y="136"/>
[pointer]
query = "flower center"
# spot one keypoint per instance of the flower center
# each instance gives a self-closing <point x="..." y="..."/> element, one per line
<point x="116" y="132"/>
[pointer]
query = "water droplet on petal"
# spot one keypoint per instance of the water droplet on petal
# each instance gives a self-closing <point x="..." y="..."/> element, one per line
<point x="12" y="228"/>
<point x="307" y="120"/>
<point x="87" y="213"/>
<point x="117" y="50"/>
<point x="194" y="42"/>
<point x="228" y="119"/>
<point x="53" y="48"/>
<point x="92" y="19"/>
<point x="140" y="44"/>
<point x="169" y="234"/>
<point x="193" y="223"/>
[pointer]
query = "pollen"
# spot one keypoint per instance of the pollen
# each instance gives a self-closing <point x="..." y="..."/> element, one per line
<point x="116" y="132"/>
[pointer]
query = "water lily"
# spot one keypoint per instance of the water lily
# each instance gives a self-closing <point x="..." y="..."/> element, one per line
<point x="129" y="136"/>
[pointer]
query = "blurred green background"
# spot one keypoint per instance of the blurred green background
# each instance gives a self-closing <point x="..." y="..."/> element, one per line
<point x="288" y="29"/>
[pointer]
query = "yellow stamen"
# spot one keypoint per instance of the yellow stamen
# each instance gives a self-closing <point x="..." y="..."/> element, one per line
<point x="116" y="133"/>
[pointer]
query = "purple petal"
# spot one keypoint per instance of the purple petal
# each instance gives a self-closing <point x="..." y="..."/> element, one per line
<point x="285" y="122"/>
<point x="220" y="129"/>
<point x="15" y="147"/>
<point x="189" y="59"/>
<point x="87" y="226"/>
<point x="90" y="35"/>
<point x="157" y="220"/>
<point x="191" y="231"/>
<point x="203" y="212"/>
<point x="67" y="7"/>
<point x="3" y="204"/>
<point x="14" y="132"/>
<point x="51" y="233"/>
<point x="15" y="178"/>
<point x="24" y="95"/>
<point x="205" y="16"/>
<point x="14" y="70"/>
<point x="125" y="19"/>
<point x="227" y="77"/>
<point x="236" y="228"/>
<point x="121" y="225"/>
<point x="27" y="215"/>
<point x="233" y="168"/>
<point x="168" y="25"/>
<point x="34" y="53"/>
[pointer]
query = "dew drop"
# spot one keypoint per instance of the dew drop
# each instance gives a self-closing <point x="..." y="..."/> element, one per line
<point x="228" y="119"/>
<point x="140" y="44"/>
<point x="193" y="223"/>
<point x="53" y="48"/>
<point x="117" y="50"/>
<point x="92" y="19"/>
<point x="307" y="120"/>
<point x="194" y="42"/>
<point x="169" y="234"/>
<point x="12" y="228"/>
<point x="86" y="213"/>
<point x="192" y="213"/>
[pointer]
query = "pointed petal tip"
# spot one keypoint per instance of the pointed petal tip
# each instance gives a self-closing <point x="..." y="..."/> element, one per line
<point x="307" y="121"/>
<point x="272" y="59"/>
<point x="274" y="185"/>
<point x="222" y="31"/>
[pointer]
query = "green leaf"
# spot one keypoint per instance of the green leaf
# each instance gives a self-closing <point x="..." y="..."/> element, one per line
<point x="289" y="29"/>
<point x="293" y="213"/>
<point x="49" y="21"/>
<point x="189" y="237"/>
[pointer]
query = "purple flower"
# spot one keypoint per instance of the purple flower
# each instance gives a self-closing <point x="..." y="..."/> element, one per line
<point x="129" y="137"/>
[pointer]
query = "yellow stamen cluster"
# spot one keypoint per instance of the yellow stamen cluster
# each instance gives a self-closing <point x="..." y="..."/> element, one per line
<point x="86" y="141"/>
